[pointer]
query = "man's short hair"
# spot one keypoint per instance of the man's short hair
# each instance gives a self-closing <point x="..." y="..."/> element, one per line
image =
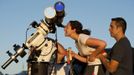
<point x="120" y="22"/>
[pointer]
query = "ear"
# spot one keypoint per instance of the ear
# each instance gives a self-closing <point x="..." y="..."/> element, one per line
<point x="74" y="30"/>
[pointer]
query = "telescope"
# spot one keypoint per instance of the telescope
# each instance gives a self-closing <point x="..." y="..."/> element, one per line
<point x="44" y="45"/>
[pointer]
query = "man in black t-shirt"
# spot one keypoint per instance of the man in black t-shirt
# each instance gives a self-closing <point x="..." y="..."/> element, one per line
<point x="121" y="58"/>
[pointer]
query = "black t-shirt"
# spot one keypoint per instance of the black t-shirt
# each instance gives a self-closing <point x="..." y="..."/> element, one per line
<point x="122" y="53"/>
<point x="133" y="60"/>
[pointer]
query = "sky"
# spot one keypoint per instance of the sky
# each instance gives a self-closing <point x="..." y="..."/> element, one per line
<point x="16" y="15"/>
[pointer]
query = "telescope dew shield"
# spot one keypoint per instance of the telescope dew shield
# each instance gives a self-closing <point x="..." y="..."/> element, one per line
<point x="50" y="14"/>
<point x="60" y="13"/>
<point x="59" y="7"/>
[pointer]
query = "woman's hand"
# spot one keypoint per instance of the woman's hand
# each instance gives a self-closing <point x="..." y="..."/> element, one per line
<point x="73" y="54"/>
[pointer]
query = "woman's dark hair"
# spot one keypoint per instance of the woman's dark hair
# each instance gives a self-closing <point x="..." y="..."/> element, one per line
<point x="79" y="28"/>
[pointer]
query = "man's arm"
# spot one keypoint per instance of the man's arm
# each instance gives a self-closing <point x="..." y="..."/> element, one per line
<point x="111" y="66"/>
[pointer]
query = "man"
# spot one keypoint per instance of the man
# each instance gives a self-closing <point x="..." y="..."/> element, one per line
<point x="120" y="58"/>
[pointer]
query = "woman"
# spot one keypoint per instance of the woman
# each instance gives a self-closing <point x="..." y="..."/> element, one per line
<point x="87" y="46"/>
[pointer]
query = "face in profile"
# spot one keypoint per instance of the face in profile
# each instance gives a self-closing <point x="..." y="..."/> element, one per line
<point x="113" y="29"/>
<point x="68" y="30"/>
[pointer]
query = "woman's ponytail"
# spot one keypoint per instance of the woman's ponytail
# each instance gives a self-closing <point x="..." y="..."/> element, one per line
<point x="86" y="31"/>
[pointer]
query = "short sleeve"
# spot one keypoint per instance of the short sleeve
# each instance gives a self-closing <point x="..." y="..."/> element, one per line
<point x="83" y="38"/>
<point x="118" y="53"/>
